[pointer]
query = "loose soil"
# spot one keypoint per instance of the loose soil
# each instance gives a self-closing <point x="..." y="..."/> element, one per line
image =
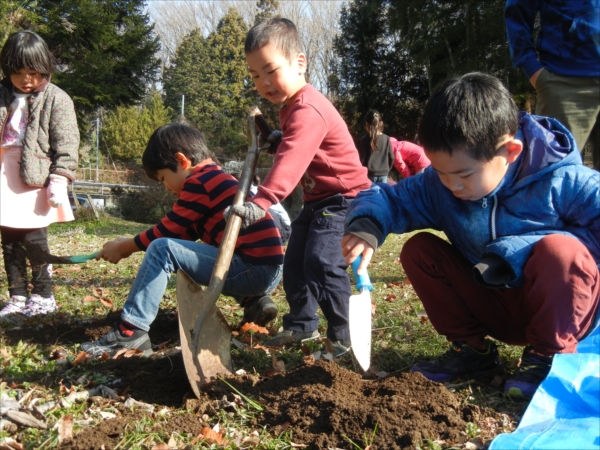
<point x="322" y="404"/>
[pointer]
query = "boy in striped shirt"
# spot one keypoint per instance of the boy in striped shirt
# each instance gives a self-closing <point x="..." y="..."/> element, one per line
<point x="177" y="156"/>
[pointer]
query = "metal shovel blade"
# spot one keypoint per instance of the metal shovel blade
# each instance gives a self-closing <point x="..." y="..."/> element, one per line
<point x="205" y="334"/>
<point x="360" y="317"/>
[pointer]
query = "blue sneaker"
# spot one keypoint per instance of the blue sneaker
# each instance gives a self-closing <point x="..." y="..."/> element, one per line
<point x="460" y="361"/>
<point x="533" y="370"/>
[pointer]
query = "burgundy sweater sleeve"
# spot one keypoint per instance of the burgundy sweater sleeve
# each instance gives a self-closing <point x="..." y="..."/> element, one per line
<point x="303" y="134"/>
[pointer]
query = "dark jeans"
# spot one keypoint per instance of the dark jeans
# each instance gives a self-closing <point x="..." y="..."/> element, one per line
<point x="314" y="272"/>
<point x="552" y="312"/>
<point x="15" y="261"/>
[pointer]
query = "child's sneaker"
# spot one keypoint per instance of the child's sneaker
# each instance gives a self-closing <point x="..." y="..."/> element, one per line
<point x="16" y="305"/>
<point x="338" y="348"/>
<point x="36" y="305"/>
<point x="289" y="337"/>
<point x="113" y="341"/>
<point x="532" y="371"/>
<point x="260" y="310"/>
<point x="461" y="361"/>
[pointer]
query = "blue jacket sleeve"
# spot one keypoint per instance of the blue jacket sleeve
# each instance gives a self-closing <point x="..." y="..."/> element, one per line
<point x="519" y="16"/>
<point x="404" y="207"/>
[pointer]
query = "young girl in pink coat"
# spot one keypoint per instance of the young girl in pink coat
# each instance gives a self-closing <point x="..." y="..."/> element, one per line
<point x="39" y="143"/>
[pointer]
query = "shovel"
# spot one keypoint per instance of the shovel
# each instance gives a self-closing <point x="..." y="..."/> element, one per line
<point x="34" y="251"/>
<point x="360" y="317"/>
<point x="205" y="334"/>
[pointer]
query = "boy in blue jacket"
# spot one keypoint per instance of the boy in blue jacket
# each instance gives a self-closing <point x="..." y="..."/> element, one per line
<point x="522" y="217"/>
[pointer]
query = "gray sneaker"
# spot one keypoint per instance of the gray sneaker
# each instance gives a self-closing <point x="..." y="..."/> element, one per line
<point x="340" y="348"/>
<point x="113" y="341"/>
<point x="289" y="337"/>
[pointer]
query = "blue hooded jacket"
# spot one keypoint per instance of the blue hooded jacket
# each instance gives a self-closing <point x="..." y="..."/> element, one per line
<point x="545" y="191"/>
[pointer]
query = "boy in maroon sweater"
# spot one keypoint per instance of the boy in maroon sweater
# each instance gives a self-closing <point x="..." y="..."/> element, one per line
<point x="315" y="149"/>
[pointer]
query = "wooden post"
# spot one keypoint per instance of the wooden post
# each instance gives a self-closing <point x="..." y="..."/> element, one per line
<point x="89" y="199"/>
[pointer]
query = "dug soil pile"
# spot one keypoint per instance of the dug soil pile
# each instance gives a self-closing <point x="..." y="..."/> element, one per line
<point x="321" y="404"/>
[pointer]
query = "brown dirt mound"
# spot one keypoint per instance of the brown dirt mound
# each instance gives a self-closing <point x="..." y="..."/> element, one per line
<point x="323" y="402"/>
<point x="319" y="403"/>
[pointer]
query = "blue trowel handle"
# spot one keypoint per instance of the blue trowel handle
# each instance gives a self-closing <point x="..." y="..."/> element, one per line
<point x="362" y="281"/>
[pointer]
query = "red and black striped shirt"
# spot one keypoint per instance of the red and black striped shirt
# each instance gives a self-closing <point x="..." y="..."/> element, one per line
<point x="198" y="214"/>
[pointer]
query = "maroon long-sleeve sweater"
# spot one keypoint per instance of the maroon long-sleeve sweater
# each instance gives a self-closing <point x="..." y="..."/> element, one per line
<point x="316" y="150"/>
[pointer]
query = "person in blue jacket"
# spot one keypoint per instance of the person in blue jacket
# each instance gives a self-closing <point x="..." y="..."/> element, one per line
<point x="521" y="215"/>
<point x="564" y="64"/>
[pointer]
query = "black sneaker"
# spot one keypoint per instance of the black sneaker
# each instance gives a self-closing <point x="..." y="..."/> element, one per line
<point x="113" y="341"/>
<point x="532" y="371"/>
<point x="460" y="361"/>
<point x="260" y="310"/>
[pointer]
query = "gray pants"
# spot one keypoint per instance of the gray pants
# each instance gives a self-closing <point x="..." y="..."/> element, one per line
<point x="575" y="102"/>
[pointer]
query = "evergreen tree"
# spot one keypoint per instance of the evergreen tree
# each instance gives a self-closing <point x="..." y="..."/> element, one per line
<point x="105" y="49"/>
<point x="265" y="9"/>
<point x="212" y="74"/>
<point x="127" y="129"/>
<point x="374" y="71"/>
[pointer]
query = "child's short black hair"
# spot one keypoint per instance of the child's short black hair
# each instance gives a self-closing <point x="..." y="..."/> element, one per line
<point x="168" y="140"/>
<point x="26" y="50"/>
<point x="277" y="30"/>
<point x="468" y="113"/>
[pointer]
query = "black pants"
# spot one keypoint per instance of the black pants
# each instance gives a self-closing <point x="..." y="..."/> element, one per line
<point x="15" y="261"/>
<point x="314" y="271"/>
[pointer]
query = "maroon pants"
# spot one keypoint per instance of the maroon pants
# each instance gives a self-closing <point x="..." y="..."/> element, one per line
<point x="551" y="312"/>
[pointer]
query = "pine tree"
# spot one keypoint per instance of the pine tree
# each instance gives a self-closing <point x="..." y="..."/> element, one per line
<point x="212" y="74"/>
<point x="105" y="49"/>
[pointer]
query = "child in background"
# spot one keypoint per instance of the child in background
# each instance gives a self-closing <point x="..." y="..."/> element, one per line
<point x="375" y="149"/>
<point x="39" y="143"/>
<point x="522" y="215"/>
<point x="409" y="158"/>
<point x="177" y="156"/>
<point x="316" y="149"/>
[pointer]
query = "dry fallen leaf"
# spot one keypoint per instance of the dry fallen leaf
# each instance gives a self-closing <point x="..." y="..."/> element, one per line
<point x="65" y="428"/>
<point x="161" y="446"/>
<point x="11" y="444"/>
<point x="89" y="298"/>
<point x="390" y="298"/>
<point x="106" y="302"/>
<point x="213" y="437"/>
<point x="278" y="364"/>
<point x="81" y="358"/>
<point x="252" y="327"/>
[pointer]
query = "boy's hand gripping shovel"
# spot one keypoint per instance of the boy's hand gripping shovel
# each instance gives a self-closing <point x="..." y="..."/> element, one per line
<point x="204" y="332"/>
<point x="360" y="317"/>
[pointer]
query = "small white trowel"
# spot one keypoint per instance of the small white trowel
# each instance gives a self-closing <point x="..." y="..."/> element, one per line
<point x="360" y="317"/>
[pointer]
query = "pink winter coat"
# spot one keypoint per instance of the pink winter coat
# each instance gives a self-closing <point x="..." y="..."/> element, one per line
<point x="409" y="158"/>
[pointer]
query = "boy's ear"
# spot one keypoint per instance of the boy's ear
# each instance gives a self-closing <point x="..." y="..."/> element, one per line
<point x="513" y="148"/>
<point x="302" y="63"/>
<point x="183" y="160"/>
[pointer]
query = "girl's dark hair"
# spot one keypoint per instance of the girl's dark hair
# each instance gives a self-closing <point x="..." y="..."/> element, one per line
<point x="168" y="140"/>
<point x="26" y="50"/>
<point x="278" y="31"/>
<point x="375" y="121"/>
<point x="468" y="113"/>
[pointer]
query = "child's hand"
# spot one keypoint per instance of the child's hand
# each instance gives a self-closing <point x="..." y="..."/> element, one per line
<point x="250" y="212"/>
<point x="271" y="143"/>
<point x="352" y="246"/>
<point x="117" y="249"/>
<point x="57" y="191"/>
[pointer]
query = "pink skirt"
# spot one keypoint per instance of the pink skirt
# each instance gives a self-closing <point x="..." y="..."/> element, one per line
<point x="23" y="206"/>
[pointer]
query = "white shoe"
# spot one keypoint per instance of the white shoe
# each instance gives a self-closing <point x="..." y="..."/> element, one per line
<point x="16" y="305"/>
<point x="37" y="305"/>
